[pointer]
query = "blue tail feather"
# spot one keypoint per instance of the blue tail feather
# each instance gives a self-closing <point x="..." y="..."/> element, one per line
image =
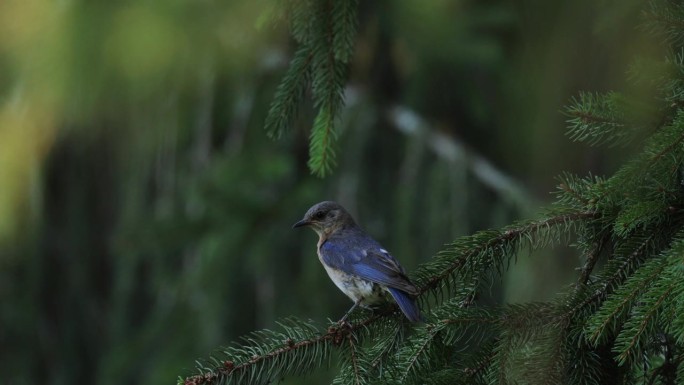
<point x="406" y="304"/>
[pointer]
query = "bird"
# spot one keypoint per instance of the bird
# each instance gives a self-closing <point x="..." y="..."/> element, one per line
<point x="358" y="265"/>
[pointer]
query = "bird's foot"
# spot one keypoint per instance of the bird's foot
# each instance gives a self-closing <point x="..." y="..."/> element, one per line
<point x="343" y="321"/>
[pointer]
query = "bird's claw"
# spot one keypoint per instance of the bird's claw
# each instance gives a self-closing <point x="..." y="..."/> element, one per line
<point x="344" y="323"/>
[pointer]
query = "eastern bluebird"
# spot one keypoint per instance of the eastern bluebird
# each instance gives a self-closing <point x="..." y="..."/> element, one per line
<point x="356" y="263"/>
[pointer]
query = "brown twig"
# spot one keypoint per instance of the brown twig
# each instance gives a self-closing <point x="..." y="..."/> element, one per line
<point x="615" y="278"/>
<point x="590" y="263"/>
<point x="335" y="334"/>
<point x="354" y="360"/>
<point x="587" y="117"/>
<point x="667" y="149"/>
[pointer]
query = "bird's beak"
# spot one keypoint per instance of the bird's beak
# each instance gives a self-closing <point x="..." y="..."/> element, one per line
<point x="301" y="223"/>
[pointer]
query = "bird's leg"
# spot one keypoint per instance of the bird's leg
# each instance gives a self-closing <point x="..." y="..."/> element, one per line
<point x="356" y="303"/>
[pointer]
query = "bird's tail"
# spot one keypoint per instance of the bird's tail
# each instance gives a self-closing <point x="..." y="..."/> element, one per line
<point x="407" y="305"/>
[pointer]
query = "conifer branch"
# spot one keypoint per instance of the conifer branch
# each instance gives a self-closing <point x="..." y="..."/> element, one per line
<point x="386" y="348"/>
<point x="571" y="191"/>
<point x="289" y="94"/>
<point x="231" y="369"/>
<point x="335" y="336"/>
<point x="553" y="373"/>
<point x="422" y="347"/>
<point x="608" y="283"/>
<point x="344" y="28"/>
<point x="667" y="19"/>
<point x="587" y="117"/>
<point x="469" y="320"/>
<point x="325" y="31"/>
<point x="481" y="365"/>
<point x="354" y="360"/>
<point x="621" y="307"/>
<point x="597" y="119"/>
<point x="667" y="149"/>
<point x="592" y="258"/>
<point x="329" y="78"/>
<point x="323" y="135"/>
<point x="503" y="237"/>
<point x="625" y="354"/>
<point x="500" y="360"/>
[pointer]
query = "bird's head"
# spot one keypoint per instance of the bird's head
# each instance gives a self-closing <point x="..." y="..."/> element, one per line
<point x="325" y="218"/>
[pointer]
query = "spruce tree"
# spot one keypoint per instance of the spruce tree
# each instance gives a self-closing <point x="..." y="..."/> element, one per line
<point x="622" y="322"/>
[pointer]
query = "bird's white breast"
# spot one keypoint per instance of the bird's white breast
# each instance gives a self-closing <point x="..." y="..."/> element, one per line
<point x="355" y="288"/>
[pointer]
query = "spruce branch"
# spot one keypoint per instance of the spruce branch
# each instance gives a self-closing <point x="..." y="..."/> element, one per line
<point x="672" y="361"/>
<point x="570" y="187"/>
<point x="590" y="263"/>
<point x="446" y="376"/>
<point x="493" y="244"/>
<point x="618" y="305"/>
<point x="344" y="27"/>
<point x="386" y="345"/>
<point x="289" y="95"/>
<point x="416" y="354"/>
<point x="325" y="31"/>
<point x="451" y="327"/>
<point x="321" y="147"/>
<point x="329" y="78"/>
<point x="626" y="342"/>
<point x="301" y="15"/>
<point x="546" y="359"/>
<point x="266" y="354"/>
<point x="530" y="348"/>
<point x="500" y="360"/>
<point x="354" y="361"/>
<point x="658" y="283"/>
<point x="667" y="149"/>
<point x="655" y="163"/>
<point x="597" y="119"/>
<point x="665" y="77"/>
<point x="479" y="367"/>
<point x="666" y="18"/>
<point x="618" y="271"/>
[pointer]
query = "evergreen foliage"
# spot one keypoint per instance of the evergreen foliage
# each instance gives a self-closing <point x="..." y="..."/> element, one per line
<point x="623" y="320"/>
<point x="325" y="32"/>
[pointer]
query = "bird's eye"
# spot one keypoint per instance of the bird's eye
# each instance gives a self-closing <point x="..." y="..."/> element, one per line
<point x="319" y="215"/>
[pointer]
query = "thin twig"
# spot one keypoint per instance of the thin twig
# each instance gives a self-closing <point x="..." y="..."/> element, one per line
<point x="666" y="149"/>
<point x="587" y="117"/>
<point x="354" y="360"/>
<point x="589" y="265"/>
<point x="335" y="334"/>
<point x="433" y="332"/>
<point x="615" y="278"/>
<point x="625" y="354"/>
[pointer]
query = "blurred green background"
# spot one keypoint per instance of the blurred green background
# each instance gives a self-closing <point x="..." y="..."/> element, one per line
<point x="145" y="216"/>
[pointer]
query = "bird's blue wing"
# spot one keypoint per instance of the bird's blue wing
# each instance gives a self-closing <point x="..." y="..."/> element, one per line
<point x="407" y="305"/>
<point x="360" y="255"/>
